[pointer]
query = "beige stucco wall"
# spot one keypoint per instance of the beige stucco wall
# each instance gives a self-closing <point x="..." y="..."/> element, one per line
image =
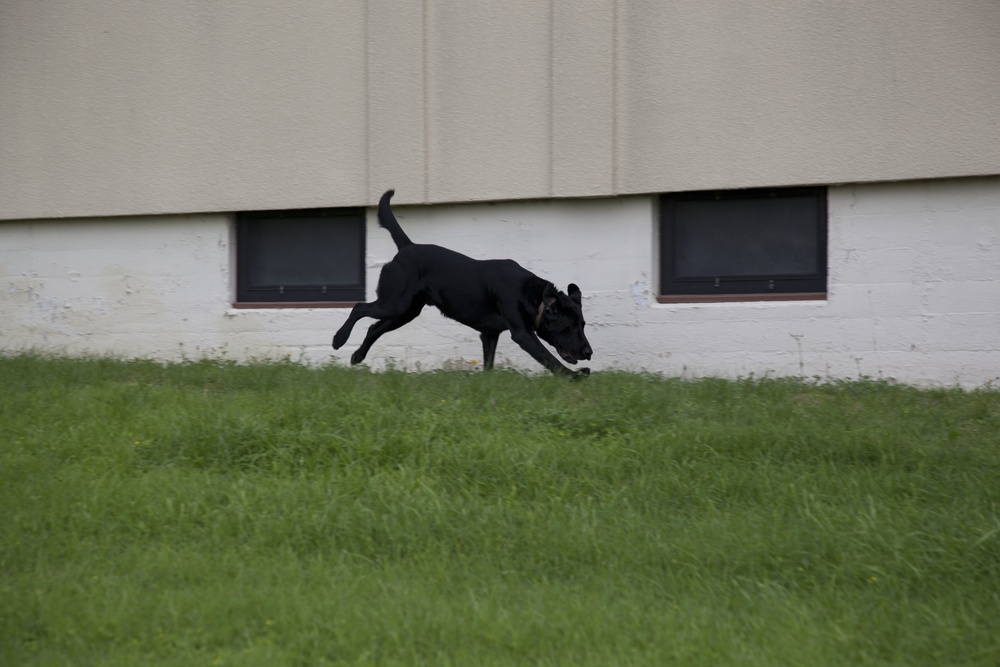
<point x="127" y="107"/>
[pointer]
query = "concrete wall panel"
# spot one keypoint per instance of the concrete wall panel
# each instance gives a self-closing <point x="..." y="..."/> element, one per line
<point x="122" y="107"/>
<point x="397" y="89"/>
<point x="583" y="97"/>
<point x="489" y="103"/>
<point x="728" y="95"/>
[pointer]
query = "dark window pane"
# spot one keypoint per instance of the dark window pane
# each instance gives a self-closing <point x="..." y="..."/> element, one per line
<point x="304" y="251"/>
<point x="746" y="237"/>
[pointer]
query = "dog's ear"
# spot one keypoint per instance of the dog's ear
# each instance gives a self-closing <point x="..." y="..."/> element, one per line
<point x="574" y="293"/>
<point x="550" y="295"/>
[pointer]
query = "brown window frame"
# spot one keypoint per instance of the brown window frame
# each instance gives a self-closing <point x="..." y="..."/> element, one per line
<point x="810" y="205"/>
<point x="318" y="235"/>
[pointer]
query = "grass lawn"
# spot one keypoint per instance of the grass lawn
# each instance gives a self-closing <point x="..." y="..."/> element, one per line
<point x="271" y="514"/>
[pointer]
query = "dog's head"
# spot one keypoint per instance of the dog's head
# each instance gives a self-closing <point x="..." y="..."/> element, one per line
<point x="560" y="323"/>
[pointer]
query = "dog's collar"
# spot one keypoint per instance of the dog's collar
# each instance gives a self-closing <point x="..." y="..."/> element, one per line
<point x="538" y="317"/>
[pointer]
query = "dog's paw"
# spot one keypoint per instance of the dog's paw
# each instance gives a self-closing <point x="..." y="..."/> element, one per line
<point x="357" y="357"/>
<point x="339" y="339"/>
<point x="581" y="373"/>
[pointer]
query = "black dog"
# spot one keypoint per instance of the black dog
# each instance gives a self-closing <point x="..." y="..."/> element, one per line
<point x="491" y="296"/>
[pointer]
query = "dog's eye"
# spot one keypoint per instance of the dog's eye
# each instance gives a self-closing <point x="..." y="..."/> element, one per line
<point x="558" y="326"/>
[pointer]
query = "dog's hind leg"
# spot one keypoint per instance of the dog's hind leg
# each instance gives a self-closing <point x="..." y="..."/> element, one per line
<point x="394" y="292"/>
<point x="343" y="333"/>
<point x="489" y="339"/>
<point x="383" y="326"/>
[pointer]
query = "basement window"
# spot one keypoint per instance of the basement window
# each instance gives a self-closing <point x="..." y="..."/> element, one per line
<point x="300" y="258"/>
<point x="743" y="245"/>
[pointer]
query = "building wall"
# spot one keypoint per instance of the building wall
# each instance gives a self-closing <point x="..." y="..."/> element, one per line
<point x="127" y="107"/>
<point x="914" y="290"/>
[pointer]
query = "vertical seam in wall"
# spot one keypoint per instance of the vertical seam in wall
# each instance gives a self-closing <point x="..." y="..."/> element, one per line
<point x="368" y="110"/>
<point x="425" y="73"/>
<point x="614" y="97"/>
<point x="552" y="98"/>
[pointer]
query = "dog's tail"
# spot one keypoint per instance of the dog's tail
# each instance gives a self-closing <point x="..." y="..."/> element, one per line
<point x="388" y="221"/>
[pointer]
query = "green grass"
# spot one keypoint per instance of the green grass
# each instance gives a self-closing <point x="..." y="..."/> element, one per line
<point x="271" y="514"/>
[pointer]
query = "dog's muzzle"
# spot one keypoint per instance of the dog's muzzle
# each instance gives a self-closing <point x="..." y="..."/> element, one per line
<point x="571" y="358"/>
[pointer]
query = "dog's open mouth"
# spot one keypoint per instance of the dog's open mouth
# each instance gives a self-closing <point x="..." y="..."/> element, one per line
<point x="566" y="355"/>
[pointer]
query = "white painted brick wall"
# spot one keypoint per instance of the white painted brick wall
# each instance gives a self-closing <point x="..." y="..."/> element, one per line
<point x="914" y="290"/>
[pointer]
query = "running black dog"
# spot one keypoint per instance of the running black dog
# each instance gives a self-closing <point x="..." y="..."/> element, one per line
<point x="491" y="296"/>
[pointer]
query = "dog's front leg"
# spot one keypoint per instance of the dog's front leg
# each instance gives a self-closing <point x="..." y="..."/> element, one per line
<point x="489" y="339"/>
<point x="530" y="343"/>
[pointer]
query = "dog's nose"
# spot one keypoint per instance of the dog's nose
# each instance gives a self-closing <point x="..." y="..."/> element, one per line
<point x="587" y="352"/>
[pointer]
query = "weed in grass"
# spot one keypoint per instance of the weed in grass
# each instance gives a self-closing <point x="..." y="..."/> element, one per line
<point x="216" y="513"/>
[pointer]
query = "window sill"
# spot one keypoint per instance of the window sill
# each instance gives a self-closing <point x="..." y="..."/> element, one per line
<point x="737" y="298"/>
<point x="244" y="305"/>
